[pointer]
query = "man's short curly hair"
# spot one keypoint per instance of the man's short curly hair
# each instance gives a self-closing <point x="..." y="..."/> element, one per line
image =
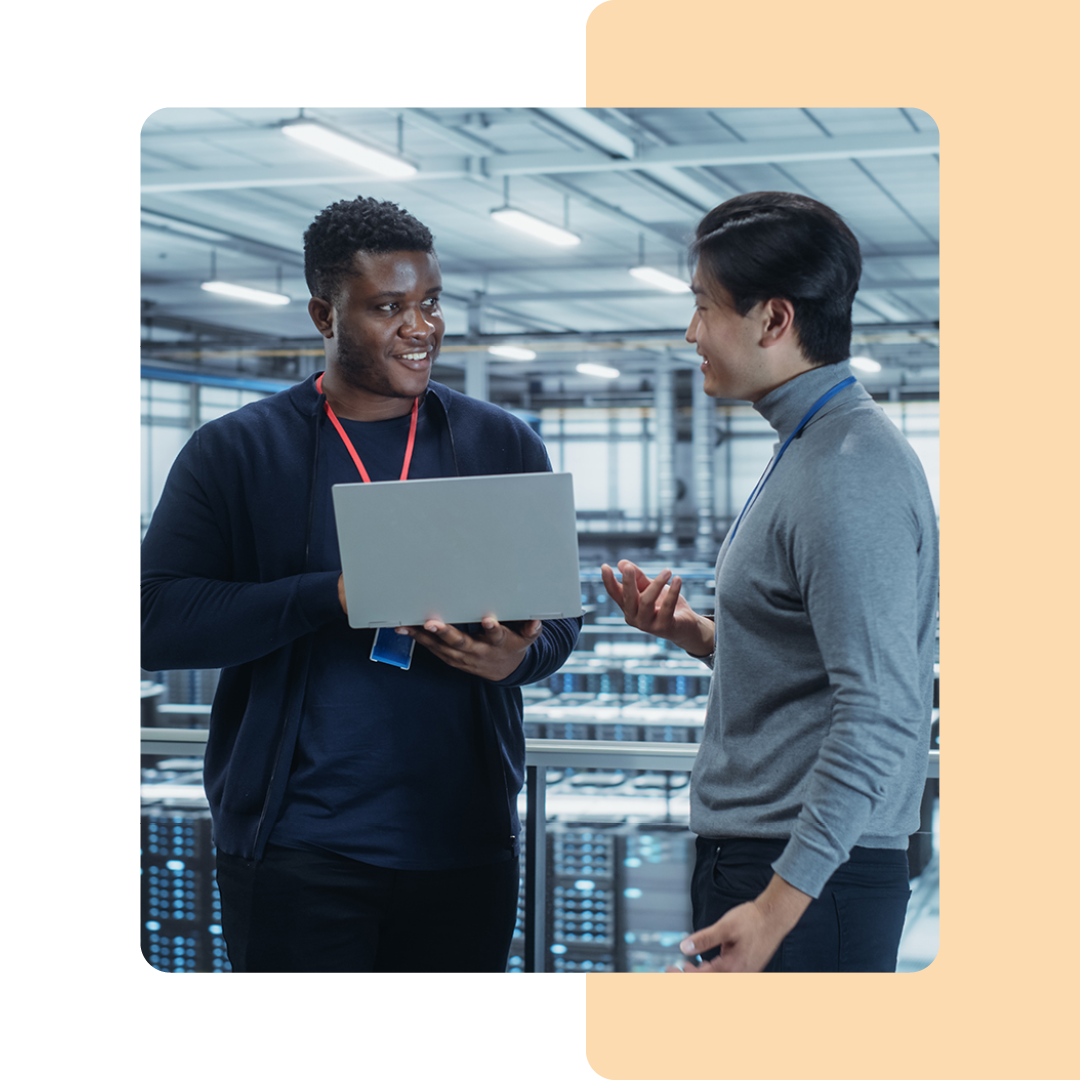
<point x="359" y="224"/>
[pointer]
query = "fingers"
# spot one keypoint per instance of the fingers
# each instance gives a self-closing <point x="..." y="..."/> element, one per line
<point x="696" y="969"/>
<point x="493" y="654"/>
<point x="631" y="599"/>
<point x="444" y="639"/>
<point x="715" y="964"/>
<point x="614" y="589"/>
<point x="737" y="932"/>
<point x="689" y="947"/>
<point x="446" y="634"/>
<point x="644" y="602"/>
<point x="655" y="587"/>
<point x="671" y="598"/>
<point x="495" y="633"/>
<point x="441" y="638"/>
<point x="701" y="941"/>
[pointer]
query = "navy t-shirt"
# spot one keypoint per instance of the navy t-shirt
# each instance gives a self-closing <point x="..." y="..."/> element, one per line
<point x="391" y="767"/>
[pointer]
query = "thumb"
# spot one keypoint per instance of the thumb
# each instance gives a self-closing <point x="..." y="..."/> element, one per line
<point x="700" y="941"/>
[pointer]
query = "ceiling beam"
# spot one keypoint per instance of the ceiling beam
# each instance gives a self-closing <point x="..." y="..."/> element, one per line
<point x="558" y="264"/>
<point x="586" y="295"/>
<point x="706" y="154"/>
<point x="593" y="129"/>
<point x="676" y="336"/>
<point x="470" y="144"/>
<point x="305" y="174"/>
<point x="212" y="238"/>
<point x="763" y="151"/>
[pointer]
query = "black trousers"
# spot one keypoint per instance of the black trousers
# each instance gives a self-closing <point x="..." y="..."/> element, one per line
<point x="854" y="925"/>
<point x="317" y="911"/>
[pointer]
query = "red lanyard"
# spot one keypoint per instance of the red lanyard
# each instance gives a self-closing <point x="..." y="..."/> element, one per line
<point x="352" y="449"/>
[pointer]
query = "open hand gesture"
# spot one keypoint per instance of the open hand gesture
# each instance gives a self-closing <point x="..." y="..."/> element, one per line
<point x="657" y="607"/>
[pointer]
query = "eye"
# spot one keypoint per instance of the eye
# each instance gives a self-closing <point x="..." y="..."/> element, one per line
<point x="387" y="307"/>
<point x="431" y="302"/>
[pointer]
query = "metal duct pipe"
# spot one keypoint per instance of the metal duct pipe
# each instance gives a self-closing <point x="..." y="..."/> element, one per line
<point x="704" y="420"/>
<point x="665" y="452"/>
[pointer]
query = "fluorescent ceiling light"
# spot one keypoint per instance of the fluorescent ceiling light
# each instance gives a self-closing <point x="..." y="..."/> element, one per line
<point x="330" y="142"/>
<point x="511" y="352"/>
<point x="864" y="363"/>
<point x="526" y="223"/>
<point x="658" y="278"/>
<point x="599" y="370"/>
<point x="242" y="292"/>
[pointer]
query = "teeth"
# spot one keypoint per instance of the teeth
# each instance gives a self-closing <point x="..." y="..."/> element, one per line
<point x="414" y="356"/>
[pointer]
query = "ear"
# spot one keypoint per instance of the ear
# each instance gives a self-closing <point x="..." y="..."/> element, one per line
<point x="777" y="321"/>
<point x="322" y="315"/>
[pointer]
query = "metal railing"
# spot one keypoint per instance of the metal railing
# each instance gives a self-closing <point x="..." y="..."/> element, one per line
<point x="540" y="755"/>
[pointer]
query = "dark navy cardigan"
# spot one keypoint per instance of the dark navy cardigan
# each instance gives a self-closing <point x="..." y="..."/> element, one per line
<point x="224" y="585"/>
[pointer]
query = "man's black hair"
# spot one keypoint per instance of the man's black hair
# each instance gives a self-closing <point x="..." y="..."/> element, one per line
<point x="359" y="224"/>
<point x="774" y="245"/>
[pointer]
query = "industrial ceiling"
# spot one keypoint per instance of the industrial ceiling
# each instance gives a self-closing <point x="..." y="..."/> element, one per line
<point x="227" y="196"/>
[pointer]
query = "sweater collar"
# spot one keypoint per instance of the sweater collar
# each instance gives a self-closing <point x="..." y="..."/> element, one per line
<point x="785" y="406"/>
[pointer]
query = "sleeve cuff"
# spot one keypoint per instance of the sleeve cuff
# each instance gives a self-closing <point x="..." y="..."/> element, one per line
<point x="318" y="597"/>
<point x="804" y="868"/>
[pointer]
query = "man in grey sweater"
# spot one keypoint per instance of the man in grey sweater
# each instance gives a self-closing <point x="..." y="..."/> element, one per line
<point x="813" y="759"/>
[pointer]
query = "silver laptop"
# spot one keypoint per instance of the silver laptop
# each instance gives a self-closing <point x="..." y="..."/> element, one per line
<point x="459" y="548"/>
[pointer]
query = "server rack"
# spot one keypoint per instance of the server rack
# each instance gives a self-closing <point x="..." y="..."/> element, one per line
<point x="180" y="904"/>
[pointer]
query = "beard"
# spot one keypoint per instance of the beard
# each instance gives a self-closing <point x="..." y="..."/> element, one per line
<point x="359" y="370"/>
<point x="362" y="368"/>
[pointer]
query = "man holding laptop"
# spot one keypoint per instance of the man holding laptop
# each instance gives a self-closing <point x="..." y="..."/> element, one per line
<point x="353" y="800"/>
<point x="812" y="763"/>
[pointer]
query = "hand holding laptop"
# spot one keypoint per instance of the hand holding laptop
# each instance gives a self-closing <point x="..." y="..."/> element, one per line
<point x="494" y="655"/>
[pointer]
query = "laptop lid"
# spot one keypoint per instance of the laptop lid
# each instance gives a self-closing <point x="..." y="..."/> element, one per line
<point x="459" y="548"/>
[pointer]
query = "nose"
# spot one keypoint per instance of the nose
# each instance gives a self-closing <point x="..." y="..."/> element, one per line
<point x="690" y="335"/>
<point x="417" y="324"/>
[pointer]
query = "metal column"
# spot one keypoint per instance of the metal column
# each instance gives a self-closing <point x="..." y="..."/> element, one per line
<point x="665" y="452"/>
<point x="535" y="867"/>
<point x="703" y="439"/>
<point x="476" y="376"/>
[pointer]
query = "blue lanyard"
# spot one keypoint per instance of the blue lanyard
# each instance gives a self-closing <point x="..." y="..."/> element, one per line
<point x="776" y="460"/>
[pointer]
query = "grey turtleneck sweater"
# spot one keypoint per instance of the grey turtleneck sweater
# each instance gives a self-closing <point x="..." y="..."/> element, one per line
<point x="818" y="721"/>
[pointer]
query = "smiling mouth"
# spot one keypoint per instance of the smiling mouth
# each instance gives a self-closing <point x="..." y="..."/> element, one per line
<point x="415" y="357"/>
